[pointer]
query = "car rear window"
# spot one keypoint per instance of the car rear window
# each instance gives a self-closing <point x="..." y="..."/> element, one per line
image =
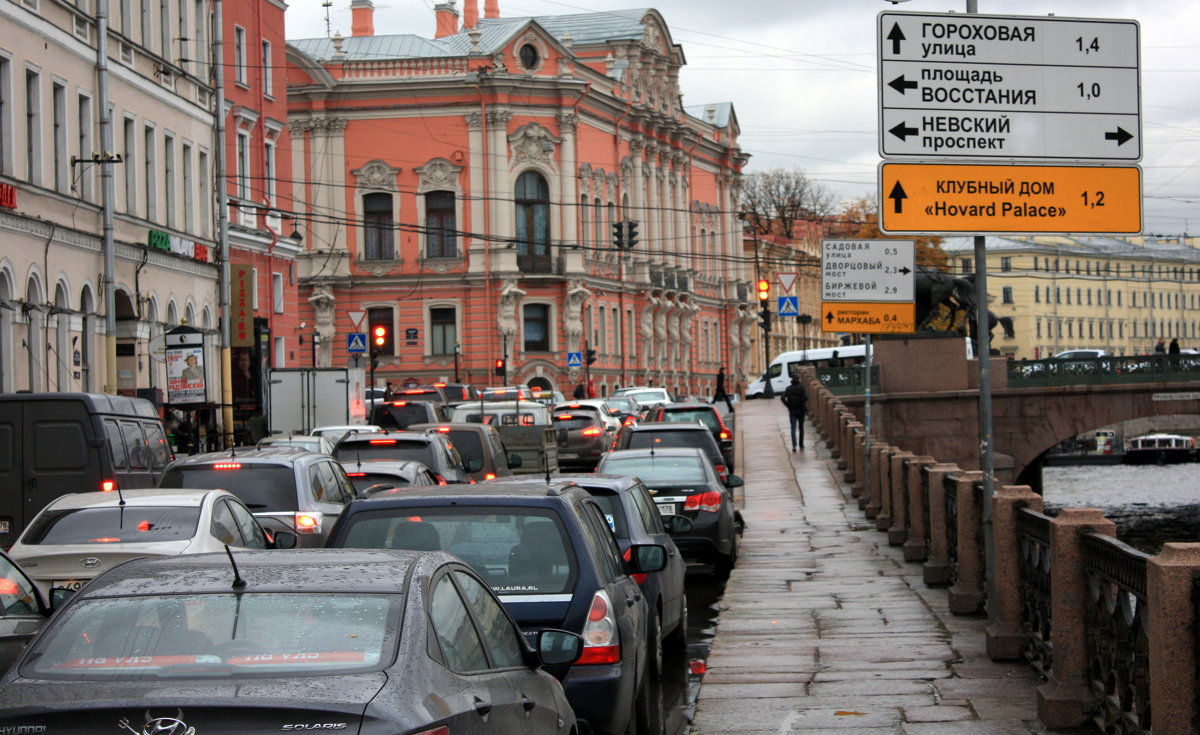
<point x="691" y="416"/>
<point x="386" y="449"/>
<point x="402" y="415"/>
<point x="573" y="421"/>
<point x="363" y="480"/>
<point x="660" y="439"/>
<point x="219" y="635"/>
<point x="517" y="550"/>
<point x="680" y="469"/>
<point x="261" y="486"/>
<point x="467" y="443"/>
<point x="610" y="503"/>
<point x="128" y="525"/>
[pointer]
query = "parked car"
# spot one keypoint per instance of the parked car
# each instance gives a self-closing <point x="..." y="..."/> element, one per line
<point x="23" y="610"/>
<point x="646" y="396"/>
<point x="548" y="552"/>
<point x="593" y="405"/>
<point x="287" y="489"/>
<point x="330" y="640"/>
<point x="665" y="434"/>
<point x="368" y="477"/>
<point x="682" y="481"/>
<point x="307" y="442"/>
<point x="702" y="412"/>
<point x="582" y="438"/>
<point x="636" y="519"/>
<point x="430" y="448"/>
<point x="78" y="536"/>
<point x="477" y="444"/>
<point x="99" y="442"/>
<point x="401" y="414"/>
<point x="455" y="392"/>
<point x="335" y="433"/>
<point x="627" y="410"/>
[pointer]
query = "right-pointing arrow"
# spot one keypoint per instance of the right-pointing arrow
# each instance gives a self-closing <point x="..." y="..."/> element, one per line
<point x="899" y="196"/>
<point x="1121" y="136"/>
<point x="902" y="131"/>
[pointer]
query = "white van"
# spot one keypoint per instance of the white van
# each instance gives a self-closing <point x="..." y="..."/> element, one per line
<point x="782" y="367"/>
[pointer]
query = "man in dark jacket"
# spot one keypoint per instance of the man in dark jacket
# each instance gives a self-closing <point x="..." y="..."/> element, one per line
<point x="796" y="400"/>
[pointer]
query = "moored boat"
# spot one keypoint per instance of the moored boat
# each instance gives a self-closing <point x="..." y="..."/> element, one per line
<point x="1160" y="449"/>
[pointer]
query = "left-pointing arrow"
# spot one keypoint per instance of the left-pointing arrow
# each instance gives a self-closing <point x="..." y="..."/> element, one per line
<point x="900" y="84"/>
<point x="902" y="131"/>
<point x="899" y="196"/>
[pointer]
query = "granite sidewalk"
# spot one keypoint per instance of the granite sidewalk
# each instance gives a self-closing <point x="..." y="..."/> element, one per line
<point x="824" y="628"/>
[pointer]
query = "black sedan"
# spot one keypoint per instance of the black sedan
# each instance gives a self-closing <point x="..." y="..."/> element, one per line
<point x="683" y="481"/>
<point x="320" y="639"/>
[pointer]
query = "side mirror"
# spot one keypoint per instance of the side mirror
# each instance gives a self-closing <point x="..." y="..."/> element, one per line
<point x="734" y="481"/>
<point x="646" y="558"/>
<point x="474" y="465"/>
<point x="558" y="647"/>
<point x="514" y="460"/>
<point x="59" y="597"/>
<point x="678" y="524"/>
<point x="284" y="540"/>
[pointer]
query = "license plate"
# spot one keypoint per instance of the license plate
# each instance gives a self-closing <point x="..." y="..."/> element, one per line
<point x="67" y="584"/>
<point x="666" y="509"/>
<point x="568" y="455"/>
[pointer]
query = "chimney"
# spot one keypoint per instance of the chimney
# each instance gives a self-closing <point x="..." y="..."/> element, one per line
<point x="362" y="18"/>
<point x="491" y="8"/>
<point x="470" y="14"/>
<point x="447" y="19"/>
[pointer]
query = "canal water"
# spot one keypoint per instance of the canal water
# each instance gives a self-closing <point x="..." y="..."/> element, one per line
<point x="1151" y="504"/>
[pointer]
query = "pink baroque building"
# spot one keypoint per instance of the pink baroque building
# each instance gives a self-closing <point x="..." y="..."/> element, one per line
<point x="464" y="192"/>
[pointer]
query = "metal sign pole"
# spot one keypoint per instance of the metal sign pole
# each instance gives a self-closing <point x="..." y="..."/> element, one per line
<point x="867" y="421"/>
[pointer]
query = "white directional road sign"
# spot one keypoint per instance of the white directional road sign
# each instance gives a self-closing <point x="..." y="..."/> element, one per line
<point x="867" y="270"/>
<point x="1015" y="87"/>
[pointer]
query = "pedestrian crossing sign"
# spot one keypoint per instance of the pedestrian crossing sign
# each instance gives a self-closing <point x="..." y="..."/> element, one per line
<point x="356" y="342"/>
<point x="789" y="306"/>
<point x="574" y="359"/>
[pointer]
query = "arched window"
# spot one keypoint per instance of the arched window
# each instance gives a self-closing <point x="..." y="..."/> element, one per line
<point x="533" y="223"/>
<point x="377" y="227"/>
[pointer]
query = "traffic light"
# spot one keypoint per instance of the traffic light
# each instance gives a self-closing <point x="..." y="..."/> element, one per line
<point x="618" y="229"/>
<point x="501" y="367"/>
<point x="379" y="336"/>
<point x="590" y="357"/>
<point x="764" y="291"/>
<point x="764" y="318"/>
<point x="631" y="234"/>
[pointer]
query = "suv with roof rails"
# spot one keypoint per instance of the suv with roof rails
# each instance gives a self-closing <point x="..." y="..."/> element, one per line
<point x="663" y="434"/>
<point x="401" y="414"/>
<point x="547" y="550"/>
<point x="480" y="446"/>
<point x="432" y="449"/>
<point x="286" y="488"/>
<point x="689" y="412"/>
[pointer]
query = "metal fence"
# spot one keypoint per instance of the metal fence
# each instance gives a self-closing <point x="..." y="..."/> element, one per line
<point x="1104" y="370"/>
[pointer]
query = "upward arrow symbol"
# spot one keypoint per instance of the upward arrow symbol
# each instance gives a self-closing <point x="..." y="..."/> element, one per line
<point x="896" y="36"/>
<point x="899" y="195"/>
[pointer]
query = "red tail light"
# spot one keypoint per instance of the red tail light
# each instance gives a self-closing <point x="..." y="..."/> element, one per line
<point x="601" y="644"/>
<point x="382" y="441"/>
<point x="105" y="540"/>
<point x="593" y="431"/>
<point x="444" y="429"/>
<point x="709" y="502"/>
<point x="440" y="480"/>
<point x="698" y="666"/>
<point x="308" y="522"/>
<point x="108" y="486"/>
<point x="722" y="472"/>
<point x="9" y="587"/>
<point x="490" y="476"/>
<point x="356" y="474"/>
<point x="724" y="434"/>
<point x="640" y="577"/>
<point x="399" y="403"/>
<point x="629" y="421"/>
<point x="227" y="466"/>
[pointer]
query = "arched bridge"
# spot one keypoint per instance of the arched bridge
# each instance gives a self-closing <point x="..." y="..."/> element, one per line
<point x="927" y="401"/>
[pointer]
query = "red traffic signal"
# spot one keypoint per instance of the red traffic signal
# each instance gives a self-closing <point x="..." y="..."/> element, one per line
<point x="500" y="367"/>
<point x="379" y="335"/>
<point x="764" y="289"/>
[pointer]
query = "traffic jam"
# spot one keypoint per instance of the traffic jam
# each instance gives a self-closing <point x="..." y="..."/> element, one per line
<point x="469" y="561"/>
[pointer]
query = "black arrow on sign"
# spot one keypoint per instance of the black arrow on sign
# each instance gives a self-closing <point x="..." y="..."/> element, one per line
<point x="902" y="131"/>
<point x="905" y="271"/>
<point x="896" y="36"/>
<point x="900" y="85"/>
<point x="1121" y="136"/>
<point x="899" y="195"/>
<point x="829" y="317"/>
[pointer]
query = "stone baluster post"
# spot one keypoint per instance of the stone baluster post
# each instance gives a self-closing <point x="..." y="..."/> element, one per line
<point x="898" y="494"/>
<point x="967" y="594"/>
<point x="914" y="545"/>
<point x="1004" y="635"/>
<point x="1171" y="630"/>
<point x="936" y="570"/>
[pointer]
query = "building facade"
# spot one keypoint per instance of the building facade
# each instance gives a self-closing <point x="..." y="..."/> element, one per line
<point x="54" y="155"/>
<point x="462" y="193"/>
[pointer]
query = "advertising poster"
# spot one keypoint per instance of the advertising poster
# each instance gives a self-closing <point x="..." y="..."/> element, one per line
<point x="185" y="375"/>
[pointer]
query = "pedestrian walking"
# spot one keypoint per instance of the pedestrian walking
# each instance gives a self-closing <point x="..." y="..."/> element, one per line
<point x="796" y="400"/>
<point x="1161" y="347"/>
<point x="580" y="392"/>
<point x="1174" y="348"/>
<point x="719" y="392"/>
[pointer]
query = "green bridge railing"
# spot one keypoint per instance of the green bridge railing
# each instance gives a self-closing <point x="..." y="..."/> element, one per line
<point x="1104" y="370"/>
<point x="848" y="381"/>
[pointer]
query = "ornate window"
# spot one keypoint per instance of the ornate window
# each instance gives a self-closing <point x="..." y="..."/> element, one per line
<point x="441" y="226"/>
<point x="443" y="330"/>
<point x="378" y="242"/>
<point x="536" y="324"/>
<point x="533" y="223"/>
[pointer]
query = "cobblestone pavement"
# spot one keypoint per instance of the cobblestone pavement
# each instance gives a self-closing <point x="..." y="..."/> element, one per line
<point x="824" y="628"/>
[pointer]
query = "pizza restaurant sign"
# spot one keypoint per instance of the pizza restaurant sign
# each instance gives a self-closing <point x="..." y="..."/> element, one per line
<point x="179" y="246"/>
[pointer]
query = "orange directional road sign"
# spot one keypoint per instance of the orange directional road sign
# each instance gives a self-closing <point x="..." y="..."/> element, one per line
<point x="868" y="317"/>
<point x="979" y="199"/>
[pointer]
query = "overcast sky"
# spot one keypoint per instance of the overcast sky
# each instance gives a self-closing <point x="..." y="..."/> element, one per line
<point x="801" y="76"/>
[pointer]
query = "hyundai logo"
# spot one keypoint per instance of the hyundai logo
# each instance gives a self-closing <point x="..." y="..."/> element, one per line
<point x="160" y="726"/>
<point x="89" y="562"/>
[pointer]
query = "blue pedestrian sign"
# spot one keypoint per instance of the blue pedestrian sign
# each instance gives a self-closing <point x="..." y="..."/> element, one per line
<point x="356" y="342"/>
<point x="789" y="306"/>
<point x="574" y="359"/>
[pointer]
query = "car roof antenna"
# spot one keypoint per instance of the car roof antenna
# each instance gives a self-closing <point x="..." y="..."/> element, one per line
<point x="238" y="582"/>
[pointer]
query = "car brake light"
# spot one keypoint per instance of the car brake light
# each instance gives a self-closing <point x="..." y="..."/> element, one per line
<point x="629" y="421"/>
<point x="105" y="540"/>
<point x="356" y="474"/>
<point x="490" y="476"/>
<point x="640" y="577"/>
<point x="413" y="392"/>
<point x="440" y="480"/>
<point x="444" y="429"/>
<point x="308" y="522"/>
<point x="227" y="466"/>
<point x="698" y="666"/>
<point x="382" y="441"/>
<point x="563" y="417"/>
<point x="724" y="434"/>
<point x="108" y="486"/>
<point x="601" y="644"/>
<point x="722" y="472"/>
<point x="9" y="587"/>
<point x="593" y="431"/>
<point x="399" y="403"/>
<point x="709" y="502"/>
